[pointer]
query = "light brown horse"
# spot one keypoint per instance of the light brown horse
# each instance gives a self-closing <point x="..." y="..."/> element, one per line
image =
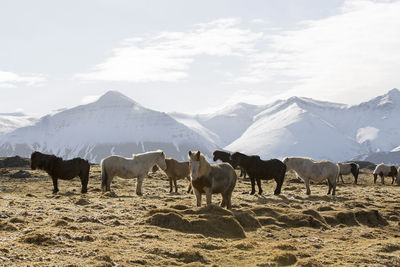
<point x="175" y="171"/>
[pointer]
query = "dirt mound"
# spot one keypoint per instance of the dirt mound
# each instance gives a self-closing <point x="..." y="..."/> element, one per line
<point x="42" y="239"/>
<point x="247" y="220"/>
<point x="4" y="226"/>
<point x="82" y="202"/>
<point x="208" y="225"/>
<point x="301" y="220"/>
<point x="347" y="218"/>
<point x="20" y="174"/>
<point x="16" y="161"/>
<point x="371" y="218"/>
<point x="285" y="259"/>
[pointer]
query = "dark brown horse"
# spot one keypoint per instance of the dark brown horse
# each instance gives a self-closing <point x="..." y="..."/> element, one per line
<point x="259" y="169"/>
<point x="58" y="168"/>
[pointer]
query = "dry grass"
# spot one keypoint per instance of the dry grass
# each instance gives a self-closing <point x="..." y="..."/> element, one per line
<point x="360" y="226"/>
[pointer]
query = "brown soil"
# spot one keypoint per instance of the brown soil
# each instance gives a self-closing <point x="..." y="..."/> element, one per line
<point x="358" y="227"/>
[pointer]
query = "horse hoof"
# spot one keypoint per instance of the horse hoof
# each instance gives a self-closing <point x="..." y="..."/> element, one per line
<point x="252" y="193"/>
<point x="139" y="194"/>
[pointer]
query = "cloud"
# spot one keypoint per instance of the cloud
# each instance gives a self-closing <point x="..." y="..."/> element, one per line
<point x="168" y="56"/>
<point x="10" y="79"/>
<point x="353" y="51"/>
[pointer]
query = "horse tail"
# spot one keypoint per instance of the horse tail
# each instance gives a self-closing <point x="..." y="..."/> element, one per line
<point x="104" y="176"/>
<point x="336" y="175"/>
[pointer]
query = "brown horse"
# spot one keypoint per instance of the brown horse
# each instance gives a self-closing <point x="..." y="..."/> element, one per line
<point x="175" y="171"/>
<point x="58" y="168"/>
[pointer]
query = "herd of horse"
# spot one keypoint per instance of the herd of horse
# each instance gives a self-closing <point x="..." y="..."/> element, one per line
<point x="206" y="178"/>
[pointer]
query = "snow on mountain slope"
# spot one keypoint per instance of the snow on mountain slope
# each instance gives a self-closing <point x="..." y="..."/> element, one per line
<point x="114" y="124"/>
<point x="323" y="130"/>
<point x="287" y="129"/>
<point x="223" y="126"/>
<point x="12" y="121"/>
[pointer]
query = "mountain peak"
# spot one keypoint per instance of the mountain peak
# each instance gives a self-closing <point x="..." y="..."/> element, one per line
<point x="394" y="93"/>
<point x="115" y="98"/>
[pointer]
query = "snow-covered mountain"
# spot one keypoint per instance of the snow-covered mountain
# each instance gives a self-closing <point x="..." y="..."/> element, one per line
<point x="115" y="124"/>
<point x="323" y="130"/>
<point x="296" y="126"/>
<point x="224" y="126"/>
<point x="12" y="121"/>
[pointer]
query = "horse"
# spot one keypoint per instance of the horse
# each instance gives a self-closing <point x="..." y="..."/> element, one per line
<point x="259" y="169"/>
<point x="58" y="168"/>
<point x="226" y="157"/>
<point x="398" y="176"/>
<point x="308" y="169"/>
<point x="347" y="168"/>
<point x="136" y="167"/>
<point x="177" y="170"/>
<point x="211" y="179"/>
<point x="385" y="170"/>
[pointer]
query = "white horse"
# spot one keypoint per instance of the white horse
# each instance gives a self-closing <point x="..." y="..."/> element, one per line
<point x="347" y="168"/>
<point x="308" y="169"/>
<point x="137" y="166"/>
<point x="384" y="170"/>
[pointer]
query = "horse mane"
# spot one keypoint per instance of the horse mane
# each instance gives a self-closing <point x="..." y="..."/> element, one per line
<point x="205" y="167"/>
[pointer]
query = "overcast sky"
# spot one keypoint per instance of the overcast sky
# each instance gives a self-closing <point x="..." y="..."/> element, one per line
<point x="195" y="56"/>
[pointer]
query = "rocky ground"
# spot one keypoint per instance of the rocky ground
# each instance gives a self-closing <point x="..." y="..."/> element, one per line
<point x="358" y="227"/>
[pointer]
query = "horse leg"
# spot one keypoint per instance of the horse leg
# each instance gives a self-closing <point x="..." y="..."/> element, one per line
<point x="253" y="185"/>
<point x="279" y="183"/>
<point x="84" y="182"/>
<point x="55" y="185"/>
<point x="307" y="182"/>
<point x="383" y="179"/>
<point x="223" y="202"/>
<point x="189" y="187"/>
<point x="139" y="185"/>
<point x="176" y="187"/>
<point x="330" y="186"/>
<point x="229" y="200"/>
<point x="198" y="197"/>
<point x="334" y="187"/>
<point x="392" y="179"/>
<point x="341" y="177"/>
<point x="208" y="196"/>
<point x="170" y="184"/>
<point x="259" y="186"/>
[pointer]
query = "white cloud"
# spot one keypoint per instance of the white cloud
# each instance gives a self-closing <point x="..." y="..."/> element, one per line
<point x="10" y="79"/>
<point x="353" y="51"/>
<point x="168" y="55"/>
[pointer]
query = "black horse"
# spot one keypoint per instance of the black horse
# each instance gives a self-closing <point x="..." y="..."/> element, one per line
<point x="226" y="157"/>
<point x="58" y="168"/>
<point x="258" y="170"/>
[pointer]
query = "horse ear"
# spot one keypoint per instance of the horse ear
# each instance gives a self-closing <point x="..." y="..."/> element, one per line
<point x="190" y="153"/>
<point x="198" y="155"/>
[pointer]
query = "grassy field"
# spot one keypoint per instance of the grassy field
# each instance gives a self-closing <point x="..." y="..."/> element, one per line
<point x="358" y="227"/>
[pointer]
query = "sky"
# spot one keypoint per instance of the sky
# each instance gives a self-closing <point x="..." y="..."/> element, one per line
<point x="195" y="56"/>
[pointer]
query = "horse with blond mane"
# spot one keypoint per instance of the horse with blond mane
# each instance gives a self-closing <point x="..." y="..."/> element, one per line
<point x="211" y="179"/>
<point x="308" y="169"/>
<point x="385" y="170"/>
<point x="137" y="166"/>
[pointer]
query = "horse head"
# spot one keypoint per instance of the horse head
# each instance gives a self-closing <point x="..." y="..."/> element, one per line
<point x="194" y="164"/>
<point x="35" y="160"/>
<point x="161" y="161"/>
